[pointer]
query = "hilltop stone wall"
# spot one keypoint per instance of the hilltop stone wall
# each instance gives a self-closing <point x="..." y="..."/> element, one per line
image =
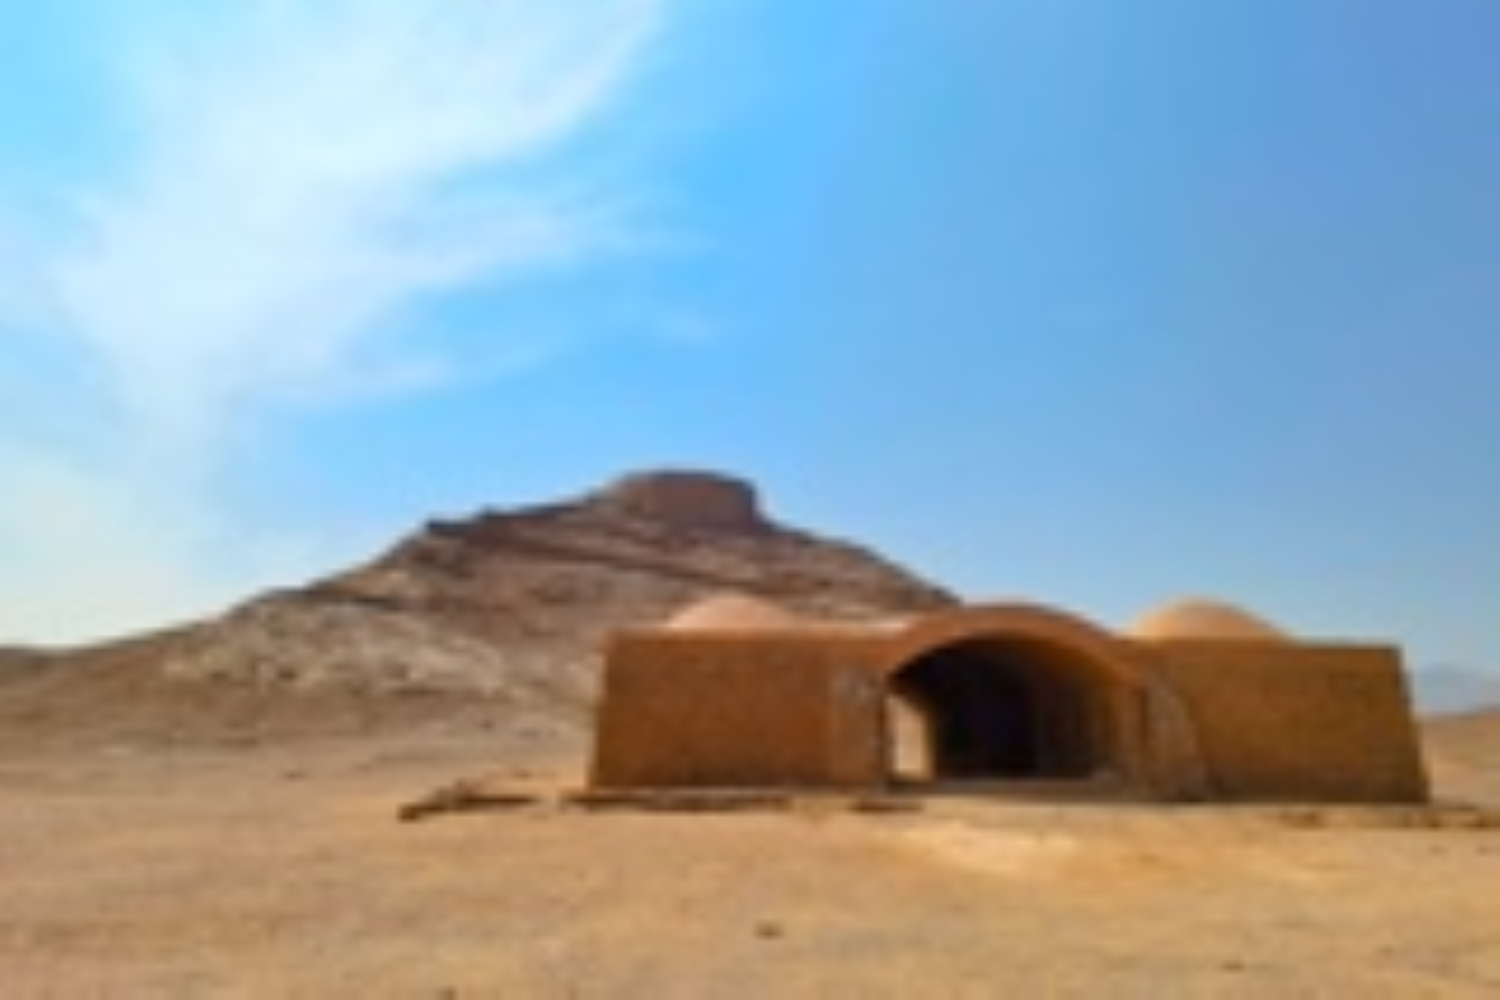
<point x="688" y="499"/>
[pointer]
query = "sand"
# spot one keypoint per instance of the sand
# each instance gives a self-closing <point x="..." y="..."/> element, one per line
<point x="162" y="861"/>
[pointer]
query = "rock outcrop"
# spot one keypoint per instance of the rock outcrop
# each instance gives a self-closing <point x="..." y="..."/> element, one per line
<point x="516" y="605"/>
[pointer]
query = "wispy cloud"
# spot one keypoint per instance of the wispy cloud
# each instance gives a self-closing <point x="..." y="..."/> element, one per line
<point x="305" y="172"/>
<point x="297" y="177"/>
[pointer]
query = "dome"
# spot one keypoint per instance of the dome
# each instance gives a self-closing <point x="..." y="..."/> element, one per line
<point x="1204" y="619"/>
<point x="731" y="612"/>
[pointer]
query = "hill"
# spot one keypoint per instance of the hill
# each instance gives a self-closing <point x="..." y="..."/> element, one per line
<point x="511" y="605"/>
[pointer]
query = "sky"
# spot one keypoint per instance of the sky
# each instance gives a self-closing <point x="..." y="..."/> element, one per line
<point x="1088" y="303"/>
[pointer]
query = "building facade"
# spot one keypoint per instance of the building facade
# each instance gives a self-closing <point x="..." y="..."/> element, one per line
<point x="1200" y="702"/>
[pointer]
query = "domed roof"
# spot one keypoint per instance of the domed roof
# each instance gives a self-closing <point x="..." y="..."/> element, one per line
<point x="1198" y="618"/>
<point x="731" y="612"/>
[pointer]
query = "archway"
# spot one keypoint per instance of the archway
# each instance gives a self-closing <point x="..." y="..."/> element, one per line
<point x="1009" y="707"/>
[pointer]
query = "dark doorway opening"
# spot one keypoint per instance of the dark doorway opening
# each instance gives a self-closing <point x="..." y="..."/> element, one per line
<point x="1001" y="709"/>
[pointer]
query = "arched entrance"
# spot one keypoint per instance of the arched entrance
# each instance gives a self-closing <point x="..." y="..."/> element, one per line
<point x="1011" y="694"/>
<point x="1007" y="708"/>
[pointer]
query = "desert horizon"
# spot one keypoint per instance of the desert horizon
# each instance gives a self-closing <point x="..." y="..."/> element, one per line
<point x="261" y="806"/>
<point x="649" y="498"/>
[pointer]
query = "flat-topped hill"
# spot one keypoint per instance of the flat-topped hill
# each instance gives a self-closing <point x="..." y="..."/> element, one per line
<point x="516" y="604"/>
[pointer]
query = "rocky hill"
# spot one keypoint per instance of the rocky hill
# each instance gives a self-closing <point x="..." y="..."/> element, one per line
<point x="516" y="605"/>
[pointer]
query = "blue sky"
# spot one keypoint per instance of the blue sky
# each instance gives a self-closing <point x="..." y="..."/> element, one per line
<point x="1092" y="303"/>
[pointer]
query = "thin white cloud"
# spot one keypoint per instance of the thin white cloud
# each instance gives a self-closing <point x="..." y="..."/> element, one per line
<point x="299" y="180"/>
<point x="301" y="175"/>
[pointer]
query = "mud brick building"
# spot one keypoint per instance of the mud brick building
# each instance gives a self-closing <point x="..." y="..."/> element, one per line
<point x="1200" y="701"/>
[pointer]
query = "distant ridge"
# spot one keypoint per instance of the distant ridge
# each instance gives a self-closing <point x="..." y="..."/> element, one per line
<point x="1443" y="690"/>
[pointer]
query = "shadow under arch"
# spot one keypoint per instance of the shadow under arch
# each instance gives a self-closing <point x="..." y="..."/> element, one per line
<point x="1017" y="692"/>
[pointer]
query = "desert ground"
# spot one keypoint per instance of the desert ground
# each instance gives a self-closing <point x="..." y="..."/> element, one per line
<point x="206" y="843"/>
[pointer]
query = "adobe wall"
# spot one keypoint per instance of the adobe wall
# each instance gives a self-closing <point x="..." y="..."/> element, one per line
<point x="752" y="709"/>
<point x="1301" y="722"/>
<point x="1194" y="719"/>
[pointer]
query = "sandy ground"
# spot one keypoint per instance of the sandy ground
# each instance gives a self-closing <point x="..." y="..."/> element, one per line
<point x="150" y="863"/>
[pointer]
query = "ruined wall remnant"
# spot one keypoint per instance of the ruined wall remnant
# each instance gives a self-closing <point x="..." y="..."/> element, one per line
<point x="688" y="499"/>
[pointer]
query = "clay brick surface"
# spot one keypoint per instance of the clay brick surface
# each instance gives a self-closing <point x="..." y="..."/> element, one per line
<point x="1297" y="721"/>
<point x="731" y="710"/>
<point x="1170" y="719"/>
